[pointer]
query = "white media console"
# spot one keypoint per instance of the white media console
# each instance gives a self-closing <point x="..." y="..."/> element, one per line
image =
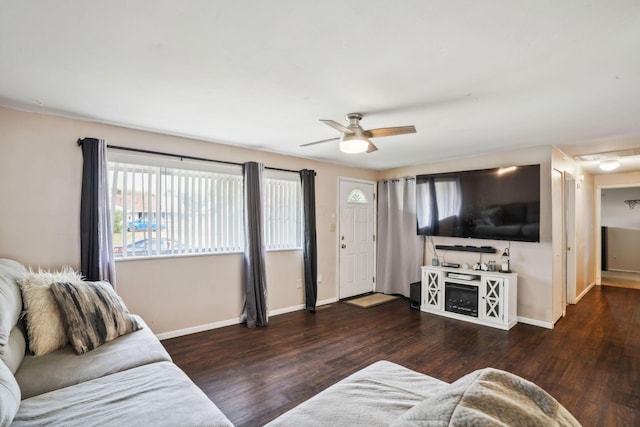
<point x="485" y="297"/>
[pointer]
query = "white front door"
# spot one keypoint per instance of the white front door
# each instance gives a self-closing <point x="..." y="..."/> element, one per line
<point x="356" y="237"/>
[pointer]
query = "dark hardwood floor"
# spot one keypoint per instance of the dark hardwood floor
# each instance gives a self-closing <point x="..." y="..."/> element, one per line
<point x="590" y="361"/>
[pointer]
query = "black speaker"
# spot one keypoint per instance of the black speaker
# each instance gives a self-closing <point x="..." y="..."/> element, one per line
<point x="415" y="294"/>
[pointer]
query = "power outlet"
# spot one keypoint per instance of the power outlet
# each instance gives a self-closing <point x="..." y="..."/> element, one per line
<point x="319" y="278"/>
<point x="299" y="283"/>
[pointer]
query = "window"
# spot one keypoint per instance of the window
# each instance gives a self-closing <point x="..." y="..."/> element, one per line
<point x="357" y="196"/>
<point x="166" y="207"/>
<point x="282" y="213"/>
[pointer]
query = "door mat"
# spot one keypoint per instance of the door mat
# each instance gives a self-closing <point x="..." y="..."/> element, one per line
<point x="371" y="300"/>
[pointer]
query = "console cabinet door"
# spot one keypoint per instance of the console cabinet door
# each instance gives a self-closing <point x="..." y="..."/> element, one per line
<point x="432" y="289"/>
<point x="492" y="299"/>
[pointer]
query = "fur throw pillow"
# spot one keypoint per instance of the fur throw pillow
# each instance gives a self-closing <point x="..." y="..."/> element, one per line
<point x="93" y="314"/>
<point x="45" y="327"/>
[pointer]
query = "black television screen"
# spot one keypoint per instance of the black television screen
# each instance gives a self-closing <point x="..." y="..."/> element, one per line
<point x="499" y="204"/>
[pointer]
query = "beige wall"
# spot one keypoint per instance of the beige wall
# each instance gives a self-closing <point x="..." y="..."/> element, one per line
<point x="532" y="261"/>
<point x="584" y="230"/>
<point x="585" y="238"/>
<point x="40" y="173"/>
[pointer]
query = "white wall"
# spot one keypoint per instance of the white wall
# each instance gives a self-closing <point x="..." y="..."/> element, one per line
<point x="616" y="213"/>
<point x="40" y="180"/>
<point x="623" y="239"/>
<point x="622" y="253"/>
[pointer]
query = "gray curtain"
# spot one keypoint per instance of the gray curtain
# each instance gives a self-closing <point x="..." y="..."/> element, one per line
<point x="400" y="249"/>
<point x="308" y="178"/>
<point x="255" y="311"/>
<point x="96" y="240"/>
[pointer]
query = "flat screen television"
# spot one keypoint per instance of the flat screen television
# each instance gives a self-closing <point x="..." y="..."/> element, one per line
<point x="497" y="204"/>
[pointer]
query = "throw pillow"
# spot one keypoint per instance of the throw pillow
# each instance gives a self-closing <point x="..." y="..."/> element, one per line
<point x="45" y="329"/>
<point x="93" y="314"/>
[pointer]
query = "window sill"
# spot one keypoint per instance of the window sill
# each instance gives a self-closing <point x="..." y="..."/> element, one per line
<point x="138" y="258"/>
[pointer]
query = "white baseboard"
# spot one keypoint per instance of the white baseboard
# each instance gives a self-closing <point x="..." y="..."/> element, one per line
<point x="535" y="322"/>
<point x="586" y="291"/>
<point x="549" y="325"/>
<point x="199" y="328"/>
<point x="286" y="310"/>
<point x="229" y="322"/>
<point x="327" y="301"/>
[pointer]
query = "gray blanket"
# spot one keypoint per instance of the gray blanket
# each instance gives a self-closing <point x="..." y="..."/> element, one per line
<point x="489" y="397"/>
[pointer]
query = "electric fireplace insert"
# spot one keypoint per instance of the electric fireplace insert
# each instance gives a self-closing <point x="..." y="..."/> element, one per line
<point x="461" y="299"/>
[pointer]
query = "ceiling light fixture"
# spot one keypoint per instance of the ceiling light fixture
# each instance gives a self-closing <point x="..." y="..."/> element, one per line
<point x="609" y="165"/>
<point x="354" y="144"/>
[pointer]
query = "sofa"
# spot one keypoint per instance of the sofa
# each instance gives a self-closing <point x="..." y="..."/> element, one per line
<point x="129" y="380"/>
<point x="387" y="394"/>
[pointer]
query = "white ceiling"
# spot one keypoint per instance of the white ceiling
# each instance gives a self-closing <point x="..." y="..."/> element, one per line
<point x="472" y="76"/>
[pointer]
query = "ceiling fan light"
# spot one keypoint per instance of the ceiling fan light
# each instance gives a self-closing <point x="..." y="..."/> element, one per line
<point x="609" y="165"/>
<point x="354" y="144"/>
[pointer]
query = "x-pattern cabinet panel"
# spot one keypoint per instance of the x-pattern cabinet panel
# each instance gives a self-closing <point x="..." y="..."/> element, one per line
<point x="497" y="295"/>
<point x="432" y="294"/>
<point x="491" y="303"/>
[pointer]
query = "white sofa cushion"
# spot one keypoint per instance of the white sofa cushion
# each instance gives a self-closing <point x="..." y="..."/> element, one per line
<point x="375" y="395"/>
<point x="64" y="367"/>
<point x="17" y="348"/>
<point x="9" y="395"/>
<point x="10" y="301"/>
<point x="159" y="394"/>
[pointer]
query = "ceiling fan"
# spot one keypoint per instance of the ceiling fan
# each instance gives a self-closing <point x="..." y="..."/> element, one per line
<point x="354" y="139"/>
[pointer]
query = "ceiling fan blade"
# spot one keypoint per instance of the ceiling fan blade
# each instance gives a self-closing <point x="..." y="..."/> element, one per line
<point x="371" y="148"/>
<point x="337" y="126"/>
<point x="398" y="130"/>
<point x="319" y="142"/>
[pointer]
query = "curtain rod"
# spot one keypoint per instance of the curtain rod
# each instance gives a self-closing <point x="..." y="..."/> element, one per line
<point x="179" y="156"/>
<point x="406" y="178"/>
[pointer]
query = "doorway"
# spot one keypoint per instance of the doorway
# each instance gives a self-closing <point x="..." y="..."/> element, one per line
<point x="356" y="240"/>
<point x="619" y="224"/>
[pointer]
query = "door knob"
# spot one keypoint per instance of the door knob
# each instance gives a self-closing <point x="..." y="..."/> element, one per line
<point x="343" y="246"/>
